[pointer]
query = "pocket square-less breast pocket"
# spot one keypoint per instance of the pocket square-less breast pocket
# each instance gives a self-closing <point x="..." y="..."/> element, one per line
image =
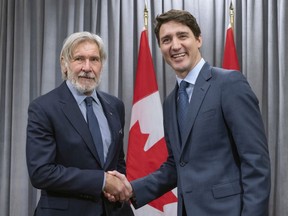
<point x="208" y="114"/>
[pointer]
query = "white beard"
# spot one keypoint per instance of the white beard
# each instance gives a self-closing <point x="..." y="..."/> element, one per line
<point x="82" y="88"/>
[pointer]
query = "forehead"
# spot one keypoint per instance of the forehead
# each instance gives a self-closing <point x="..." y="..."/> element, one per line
<point x="172" y="27"/>
<point x="86" y="46"/>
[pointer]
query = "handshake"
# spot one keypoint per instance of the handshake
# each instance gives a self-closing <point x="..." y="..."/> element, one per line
<point x="117" y="187"/>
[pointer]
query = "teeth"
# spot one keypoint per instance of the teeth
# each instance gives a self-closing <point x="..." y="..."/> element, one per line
<point x="178" y="55"/>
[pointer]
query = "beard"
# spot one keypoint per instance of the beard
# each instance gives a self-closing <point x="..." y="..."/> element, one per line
<point x="83" y="86"/>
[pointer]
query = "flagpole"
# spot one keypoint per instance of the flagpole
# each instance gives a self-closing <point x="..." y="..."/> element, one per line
<point x="231" y="15"/>
<point x="146" y="17"/>
<point x="230" y="59"/>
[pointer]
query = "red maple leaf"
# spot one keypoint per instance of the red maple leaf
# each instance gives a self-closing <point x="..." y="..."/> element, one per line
<point x="141" y="163"/>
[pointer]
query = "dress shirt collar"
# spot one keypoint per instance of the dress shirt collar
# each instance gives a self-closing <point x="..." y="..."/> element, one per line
<point x="79" y="97"/>
<point x="193" y="74"/>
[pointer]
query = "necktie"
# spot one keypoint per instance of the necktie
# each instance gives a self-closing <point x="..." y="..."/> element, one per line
<point x="182" y="104"/>
<point x="94" y="128"/>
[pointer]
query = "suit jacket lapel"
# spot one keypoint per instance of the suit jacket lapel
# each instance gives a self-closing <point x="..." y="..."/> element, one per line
<point x="171" y="110"/>
<point x="200" y="89"/>
<point x="72" y="112"/>
<point x="114" y="124"/>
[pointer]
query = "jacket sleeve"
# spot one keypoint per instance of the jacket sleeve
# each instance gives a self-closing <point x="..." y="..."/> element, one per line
<point x="47" y="168"/>
<point x="242" y="115"/>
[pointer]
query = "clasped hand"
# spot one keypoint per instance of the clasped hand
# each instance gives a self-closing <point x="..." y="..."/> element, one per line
<point x="117" y="187"/>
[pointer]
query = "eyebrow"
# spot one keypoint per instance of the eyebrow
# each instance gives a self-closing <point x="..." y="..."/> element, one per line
<point x="177" y="34"/>
<point x="182" y="33"/>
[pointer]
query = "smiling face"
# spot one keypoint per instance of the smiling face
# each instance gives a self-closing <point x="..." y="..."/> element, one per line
<point x="179" y="47"/>
<point x="84" y="68"/>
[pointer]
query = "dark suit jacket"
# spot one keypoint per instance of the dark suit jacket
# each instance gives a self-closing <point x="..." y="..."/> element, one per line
<point x="62" y="159"/>
<point x="223" y="167"/>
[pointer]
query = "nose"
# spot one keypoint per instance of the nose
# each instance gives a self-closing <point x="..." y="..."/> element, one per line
<point x="176" y="45"/>
<point x="86" y="65"/>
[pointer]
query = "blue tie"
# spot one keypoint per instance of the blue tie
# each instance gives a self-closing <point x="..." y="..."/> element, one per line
<point x="182" y="104"/>
<point x="94" y="128"/>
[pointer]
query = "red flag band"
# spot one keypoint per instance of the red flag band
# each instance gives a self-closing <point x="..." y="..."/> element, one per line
<point x="230" y="59"/>
<point x="146" y="143"/>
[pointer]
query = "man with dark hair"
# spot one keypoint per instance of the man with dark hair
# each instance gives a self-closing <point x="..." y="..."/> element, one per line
<point x="217" y="148"/>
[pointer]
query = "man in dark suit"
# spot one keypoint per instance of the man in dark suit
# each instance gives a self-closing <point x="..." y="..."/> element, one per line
<point x="218" y="155"/>
<point x="63" y="157"/>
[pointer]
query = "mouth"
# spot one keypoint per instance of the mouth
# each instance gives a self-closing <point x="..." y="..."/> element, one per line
<point x="178" y="55"/>
<point x="86" y="76"/>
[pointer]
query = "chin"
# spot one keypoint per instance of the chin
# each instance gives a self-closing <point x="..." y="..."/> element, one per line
<point x="180" y="70"/>
<point x="85" y="88"/>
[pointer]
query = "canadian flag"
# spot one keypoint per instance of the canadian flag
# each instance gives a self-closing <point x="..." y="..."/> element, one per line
<point x="146" y="145"/>
<point x="230" y="59"/>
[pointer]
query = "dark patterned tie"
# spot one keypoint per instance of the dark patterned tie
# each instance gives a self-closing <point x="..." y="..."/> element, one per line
<point x="94" y="128"/>
<point x="182" y="105"/>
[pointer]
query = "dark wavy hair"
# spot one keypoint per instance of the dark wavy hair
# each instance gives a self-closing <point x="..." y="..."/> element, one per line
<point x="179" y="16"/>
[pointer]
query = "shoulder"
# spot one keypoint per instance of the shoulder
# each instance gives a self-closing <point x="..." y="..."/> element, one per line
<point x="112" y="101"/>
<point x="217" y="75"/>
<point x="221" y="72"/>
<point x="232" y="82"/>
<point x="222" y="77"/>
<point x="228" y="74"/>
<point x="49" y="99"/>
<point x="109" y="97"/>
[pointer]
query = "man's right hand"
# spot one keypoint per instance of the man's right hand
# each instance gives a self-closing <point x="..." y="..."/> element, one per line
<point x="117" y="187"/>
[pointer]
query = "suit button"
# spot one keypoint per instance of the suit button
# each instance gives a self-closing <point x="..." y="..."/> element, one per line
<point x="182" y="163"/>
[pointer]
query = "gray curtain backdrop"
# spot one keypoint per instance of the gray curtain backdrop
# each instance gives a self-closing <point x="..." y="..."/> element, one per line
<point x="31" y="36"/>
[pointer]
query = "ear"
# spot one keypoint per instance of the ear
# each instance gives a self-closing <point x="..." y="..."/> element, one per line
<point x="199" y="40"/>
<point x="63" y="65"/>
